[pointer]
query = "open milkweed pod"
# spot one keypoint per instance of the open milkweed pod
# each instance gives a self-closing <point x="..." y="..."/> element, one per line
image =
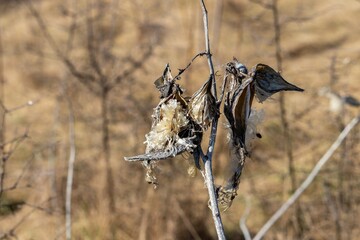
<point x="237" y="109"/>
<point x="262" y="82"/>
<point x="268" y="81"/>
<point x="163" y="141"/>
<point x="171" y="131"/>
<point x="164" y="133"/>
<point x="202" y="105"/>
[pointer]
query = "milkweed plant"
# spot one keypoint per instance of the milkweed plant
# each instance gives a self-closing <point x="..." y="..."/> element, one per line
<point x="178" y="121"/>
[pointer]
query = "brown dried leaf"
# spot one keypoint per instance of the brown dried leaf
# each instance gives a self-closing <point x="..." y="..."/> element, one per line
<point x="268" y="81"/>
<point x="202" y="106"/>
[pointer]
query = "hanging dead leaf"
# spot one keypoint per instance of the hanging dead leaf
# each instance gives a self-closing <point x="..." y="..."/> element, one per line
<point x="166" y="83"/>
<point x="268" y="81"/>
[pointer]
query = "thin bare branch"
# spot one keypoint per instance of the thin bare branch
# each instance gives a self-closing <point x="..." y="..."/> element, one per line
<point x="3" y="109"/>
<point x="310" y="178"/>
<point x="277" y="27"/>
<point x="27" y="104"/>
<point x="207" y="47"/>
<point x="70" y="174"/>
<point x="243" y="219"/>
<point x="72" y="28"/>
<point x="333" y="74"/>
<point x="40" y="208"/>
<point x="5" y="157"/>
<point x="312" y="16"/>
<point x="334" y="210"/>
<point x="15" y="139"/>
<point x="16" y="183"/>
<point x="15" y="144"/>
<point x="23" y="171"/>
<point x="209" y="178"/>
<point x="91" y="45"/>
<point x="262" y="4"/>
<point x="2" y="176"/>
<point x="181" y="71"/>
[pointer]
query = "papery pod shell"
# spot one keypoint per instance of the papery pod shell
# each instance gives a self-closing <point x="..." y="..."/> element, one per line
<point x="268" y="81"/>
<point x="202" y="106"/>
<point x="237" y="109"/>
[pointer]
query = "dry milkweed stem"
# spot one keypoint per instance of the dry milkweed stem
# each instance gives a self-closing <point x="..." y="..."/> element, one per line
<point x="209" y="178"/>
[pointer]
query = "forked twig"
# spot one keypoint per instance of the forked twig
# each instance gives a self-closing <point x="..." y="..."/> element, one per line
<point x="308" y="180"/>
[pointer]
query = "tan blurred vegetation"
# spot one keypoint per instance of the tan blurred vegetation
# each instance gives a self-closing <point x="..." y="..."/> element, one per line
<point x="131" y="41"/>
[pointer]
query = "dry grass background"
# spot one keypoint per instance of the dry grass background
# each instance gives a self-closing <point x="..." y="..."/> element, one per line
<point x="178" y="208"/>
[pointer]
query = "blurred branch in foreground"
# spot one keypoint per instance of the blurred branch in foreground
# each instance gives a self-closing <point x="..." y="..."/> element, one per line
<point x="309" y="179"/>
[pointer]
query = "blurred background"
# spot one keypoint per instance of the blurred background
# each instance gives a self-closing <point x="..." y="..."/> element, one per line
<point x="77" y="85"/>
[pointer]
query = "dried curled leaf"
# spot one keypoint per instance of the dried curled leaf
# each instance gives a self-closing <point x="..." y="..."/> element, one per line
<point x="268" y="81"/>
<point x="166" y="84"/>
<point x="202" y="106"/>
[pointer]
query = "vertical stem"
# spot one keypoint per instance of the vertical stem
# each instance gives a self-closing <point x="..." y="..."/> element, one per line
<point x="213" y="200"/>
<point x="106" y="147"/>
<point x="277" y="29"/>
<point x="207" y="47"/>
<point x="2" y="81"/>
<point x="70" y="174"/>
<point x="53" y="157"/>
<point x="334" y="210"/>
<point x="284" y="120"/>
<point x="107" y="156"/>
<point x="2" y="118"/>
<point x="209" y="178"/>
